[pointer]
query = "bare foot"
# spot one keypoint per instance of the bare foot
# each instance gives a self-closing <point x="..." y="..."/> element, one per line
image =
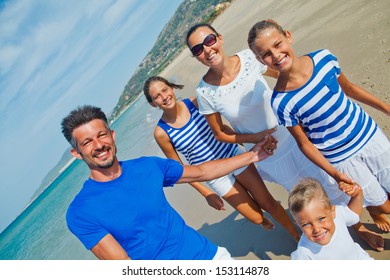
<point x="374" y="240"/>
<point x="381" y="221"/>
<point x="267" y="224"/>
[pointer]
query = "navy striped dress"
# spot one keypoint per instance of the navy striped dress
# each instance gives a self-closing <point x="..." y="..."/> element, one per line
<point x="336" y="125"/>
<point x="195" y="140"/>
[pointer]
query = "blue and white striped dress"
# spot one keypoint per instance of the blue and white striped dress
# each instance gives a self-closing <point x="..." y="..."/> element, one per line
<point x="337" y="126"/>
<point x="195" y="140"/>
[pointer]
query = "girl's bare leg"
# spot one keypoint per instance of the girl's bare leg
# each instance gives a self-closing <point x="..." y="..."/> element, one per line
<point x="378" y="214"/>
<point x="253" y="183"/>
<point x="240" y="200"/>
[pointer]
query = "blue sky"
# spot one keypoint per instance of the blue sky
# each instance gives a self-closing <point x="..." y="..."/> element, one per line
<point x="54" y="56"/>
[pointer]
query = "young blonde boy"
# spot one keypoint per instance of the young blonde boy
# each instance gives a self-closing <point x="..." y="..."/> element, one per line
<point x="324" y="226"/>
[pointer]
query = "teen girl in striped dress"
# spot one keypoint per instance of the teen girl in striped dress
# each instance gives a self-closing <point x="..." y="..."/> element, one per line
<point x="311" y="99"/>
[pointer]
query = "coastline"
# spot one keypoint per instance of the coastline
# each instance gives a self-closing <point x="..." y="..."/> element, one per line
<point x="357" y="33"/>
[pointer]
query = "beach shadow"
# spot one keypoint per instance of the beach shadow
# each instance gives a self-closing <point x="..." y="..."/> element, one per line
<point x="363" y="244"/>
<point x="241" y="238"/>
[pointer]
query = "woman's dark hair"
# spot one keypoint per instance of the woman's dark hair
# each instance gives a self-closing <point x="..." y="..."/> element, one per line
<point x="195" y="27"/>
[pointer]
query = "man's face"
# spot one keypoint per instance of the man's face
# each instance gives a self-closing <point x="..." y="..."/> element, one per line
<point x="96" y="144"/>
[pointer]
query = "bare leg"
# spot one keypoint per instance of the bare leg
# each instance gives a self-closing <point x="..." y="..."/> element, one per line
<point x="378" y="214"/>
<point x="240" y="200"/>
<point x="252" y="182"/>
<point x="374" y="240"/>
<point x="381" y="221"/>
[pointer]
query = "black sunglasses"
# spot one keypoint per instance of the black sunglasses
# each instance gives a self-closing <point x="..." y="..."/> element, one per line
<point x="208" y="41"/>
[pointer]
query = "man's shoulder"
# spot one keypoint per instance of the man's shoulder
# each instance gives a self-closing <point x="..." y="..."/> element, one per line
<point x="76" y="209"/>
<point x="147" y="162"/>
<point x="143" y="159"/>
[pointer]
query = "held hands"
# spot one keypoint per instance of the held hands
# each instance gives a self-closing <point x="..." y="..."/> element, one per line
<point x="347" y="185"/>
<point x="265" y="148"/>
<point x="351" y="190"/>
<point x="270" y="145"/>
<point x="215" y="201"/>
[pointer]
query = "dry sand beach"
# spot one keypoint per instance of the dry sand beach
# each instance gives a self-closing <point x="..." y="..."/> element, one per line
<point x="357" y="32"/>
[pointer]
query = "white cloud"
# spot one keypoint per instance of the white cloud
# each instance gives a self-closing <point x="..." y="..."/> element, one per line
<point x="117" y="11"/>
<point x="8" y="55"/>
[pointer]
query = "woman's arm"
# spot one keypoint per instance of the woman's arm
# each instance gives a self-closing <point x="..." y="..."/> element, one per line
<point x="223" y="133"/>
<point x="361" y="95"/>
<point x="166" y="146"/>
<point x="227" y="130"/>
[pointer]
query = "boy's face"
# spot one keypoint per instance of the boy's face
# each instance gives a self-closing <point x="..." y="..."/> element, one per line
<point x="316" y="222"/>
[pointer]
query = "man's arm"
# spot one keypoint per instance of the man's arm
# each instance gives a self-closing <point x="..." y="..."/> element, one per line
<point x="109" y="249"/>
<point x="218" y="168"/>
<point x="166" y="146"/>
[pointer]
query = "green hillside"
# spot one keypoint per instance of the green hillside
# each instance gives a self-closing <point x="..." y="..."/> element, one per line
<point x="169" y="44"/>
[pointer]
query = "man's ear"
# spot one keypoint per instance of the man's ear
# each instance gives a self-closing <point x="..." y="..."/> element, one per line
<point x="113" y="135"/>
<point x="75" y="153"/>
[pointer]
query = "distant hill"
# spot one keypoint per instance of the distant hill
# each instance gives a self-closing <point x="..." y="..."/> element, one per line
<point x="169" y="44"/>
<point x="54" y="172"/>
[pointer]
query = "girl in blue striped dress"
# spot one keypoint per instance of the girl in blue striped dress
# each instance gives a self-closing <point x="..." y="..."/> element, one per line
<point x="182" y="129"/>
<point x="311" y="98"/>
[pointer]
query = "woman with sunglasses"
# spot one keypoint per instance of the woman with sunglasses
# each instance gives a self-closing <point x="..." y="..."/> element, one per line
<point x="182" y="129"/>
<point x="234" y="87"/>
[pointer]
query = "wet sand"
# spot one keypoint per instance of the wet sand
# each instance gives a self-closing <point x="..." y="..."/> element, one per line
<point x="357" y="32"/>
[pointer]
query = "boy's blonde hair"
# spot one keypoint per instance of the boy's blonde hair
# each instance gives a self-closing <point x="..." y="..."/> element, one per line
<point x="306" y="191"/>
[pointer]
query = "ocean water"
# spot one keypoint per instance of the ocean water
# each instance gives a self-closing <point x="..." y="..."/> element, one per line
<point x="40" y="232"/>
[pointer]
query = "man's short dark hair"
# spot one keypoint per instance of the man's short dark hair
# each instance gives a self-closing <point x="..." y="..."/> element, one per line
<point x="78" y="117"/>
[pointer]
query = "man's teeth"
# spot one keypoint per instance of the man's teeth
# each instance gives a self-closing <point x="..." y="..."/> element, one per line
<point x="102" y="154"/>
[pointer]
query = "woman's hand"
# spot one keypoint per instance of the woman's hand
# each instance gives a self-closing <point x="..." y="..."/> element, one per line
<point x="260" y="136"/>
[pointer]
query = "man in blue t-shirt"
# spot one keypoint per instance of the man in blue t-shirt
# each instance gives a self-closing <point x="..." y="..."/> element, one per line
<point x="121" y="212"/>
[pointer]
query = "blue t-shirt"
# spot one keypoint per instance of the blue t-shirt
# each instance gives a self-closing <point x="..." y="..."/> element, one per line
<point x="134" y="210"/>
